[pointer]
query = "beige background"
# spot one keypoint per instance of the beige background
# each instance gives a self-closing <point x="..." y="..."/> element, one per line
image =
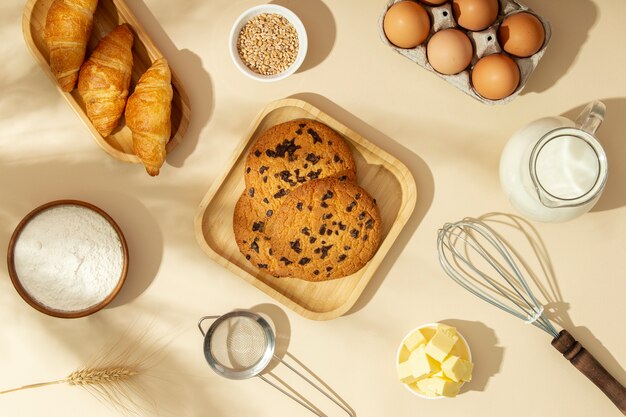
<point x="450" y="142"/>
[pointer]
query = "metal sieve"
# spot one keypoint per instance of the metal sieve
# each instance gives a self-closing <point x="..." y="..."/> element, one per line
<point x="240" y="345"/>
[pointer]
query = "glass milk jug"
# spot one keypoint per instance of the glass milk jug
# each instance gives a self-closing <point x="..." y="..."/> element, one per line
<point x="554" y="169"/>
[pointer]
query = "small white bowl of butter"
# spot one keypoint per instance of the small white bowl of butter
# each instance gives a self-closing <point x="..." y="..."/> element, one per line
<point x="434" y="361"/>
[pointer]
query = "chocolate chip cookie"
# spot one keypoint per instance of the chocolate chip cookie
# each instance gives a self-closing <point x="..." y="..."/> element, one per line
<point x="291" y="153"/>
<point x="252" y="213"/>
<point x="249" y="221"/>
<point x="324" y="229"/>
<point x="284" y="157"/>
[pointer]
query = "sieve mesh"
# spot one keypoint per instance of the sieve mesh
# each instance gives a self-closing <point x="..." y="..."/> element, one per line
<point x="238" y="343"/>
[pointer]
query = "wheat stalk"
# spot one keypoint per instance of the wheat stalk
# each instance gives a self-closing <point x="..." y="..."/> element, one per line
<point x="100" y="376"/>
<point x="88" y="377"/>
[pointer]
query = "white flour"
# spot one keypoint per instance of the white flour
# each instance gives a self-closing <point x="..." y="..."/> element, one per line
<point x="68" y="258"/>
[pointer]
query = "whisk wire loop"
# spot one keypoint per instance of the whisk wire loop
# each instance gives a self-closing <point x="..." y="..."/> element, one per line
<point x="459" y="257"/>
<point x="472" y="243"/>
<point x="511" y="279"/>
<point x="459" y="242"/>
<point x="464" y="282"/>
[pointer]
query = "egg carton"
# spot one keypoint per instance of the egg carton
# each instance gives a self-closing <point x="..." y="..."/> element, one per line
<point x="485" y="42"/>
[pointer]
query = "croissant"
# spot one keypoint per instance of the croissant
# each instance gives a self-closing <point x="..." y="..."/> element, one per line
<point x="67" y="30"/>
<point x="104" y="79"/>
<point x="148" y="115"/>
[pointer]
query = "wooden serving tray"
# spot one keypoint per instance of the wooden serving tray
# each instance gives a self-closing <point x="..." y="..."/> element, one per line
<point x="108" y="15"/>
<point x="382" y="175"/>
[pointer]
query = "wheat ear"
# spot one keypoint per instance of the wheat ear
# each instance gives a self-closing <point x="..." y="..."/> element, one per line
<point x="88" y="377"/>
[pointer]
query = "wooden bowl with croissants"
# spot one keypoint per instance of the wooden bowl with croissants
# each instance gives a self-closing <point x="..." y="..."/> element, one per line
<point x="112" y="75"/>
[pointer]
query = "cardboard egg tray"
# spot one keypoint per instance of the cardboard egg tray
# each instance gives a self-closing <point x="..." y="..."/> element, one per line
<point x="484" y="42"/>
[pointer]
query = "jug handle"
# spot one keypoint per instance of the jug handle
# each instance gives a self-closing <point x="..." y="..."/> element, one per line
<point x="591" y="117"/>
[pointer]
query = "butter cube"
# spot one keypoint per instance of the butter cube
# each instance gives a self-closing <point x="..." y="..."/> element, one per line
<point x="423" y="365"/>
<point x="446" y="327"/>
<point x="439" y="386"/>
<point x="447" y="388"/>
<point x="427" y="386"/>
<point x="457" y="369"/>
<point x="441" y="344"/>
<point x="405" y="372"/>
<point x="414" y="340"/>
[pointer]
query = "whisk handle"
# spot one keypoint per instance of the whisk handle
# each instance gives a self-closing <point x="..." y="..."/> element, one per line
<point x="591" y="368"/>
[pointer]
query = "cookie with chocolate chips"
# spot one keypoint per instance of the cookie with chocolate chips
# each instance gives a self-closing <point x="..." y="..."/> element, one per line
<point x="291" y="153"/>
<point x="251" y="216"/>
<point x="324" y="229"/>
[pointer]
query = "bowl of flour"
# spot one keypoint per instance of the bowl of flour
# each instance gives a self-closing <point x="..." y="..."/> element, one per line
<point x="68" y="259"/>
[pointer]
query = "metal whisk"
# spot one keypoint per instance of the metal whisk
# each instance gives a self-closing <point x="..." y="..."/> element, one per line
<point x="475" y="257"/>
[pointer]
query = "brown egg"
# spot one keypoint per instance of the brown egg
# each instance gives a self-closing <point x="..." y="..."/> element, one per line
<point x="449" y="51"/>
<point x="475" y="14"/>
<point x="406" y="24"/>
<point x="434" y="2"/>
<point x="495" y="76"/>
<point x="521" y="34"/>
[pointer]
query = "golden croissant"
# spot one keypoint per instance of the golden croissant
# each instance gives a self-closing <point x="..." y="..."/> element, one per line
<point x="104" y="79"/>
<point x="67" y="30"/>
<point x="148" y="115"/>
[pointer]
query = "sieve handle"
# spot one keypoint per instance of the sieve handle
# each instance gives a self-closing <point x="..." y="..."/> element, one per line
<point x="591" y="368"/>
<point x="326" y="393"/>
<point x="290" y="395"/>
<point x="203" y="319"/>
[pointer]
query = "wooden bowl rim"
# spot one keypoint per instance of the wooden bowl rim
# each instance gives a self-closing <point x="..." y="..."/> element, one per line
<point x="41" y="307"/>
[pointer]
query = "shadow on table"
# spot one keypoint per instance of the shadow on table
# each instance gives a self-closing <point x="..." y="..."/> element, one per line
<point x="25" y="87"/>
<point x="319" y="24"/>
<point x="570" y="29"/>
<point x="164" y="384"/>
<point x="540" y="276"/>
<point x="29" y="92"/>
<point x="195" y="79"/>
<point x="279" y="321"/>
<point x="145" y="248"/>
<point x="486" y="354"/>
<point x="416" y="165"/>
<point x="611" y="135"/>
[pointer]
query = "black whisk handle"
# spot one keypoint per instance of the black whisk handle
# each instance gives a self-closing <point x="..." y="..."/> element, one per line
<point x="591" y="368"/>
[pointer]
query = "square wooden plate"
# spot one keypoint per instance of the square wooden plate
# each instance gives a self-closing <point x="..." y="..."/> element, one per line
<point x="108" y="15"/>
<point x="384" y="177"/>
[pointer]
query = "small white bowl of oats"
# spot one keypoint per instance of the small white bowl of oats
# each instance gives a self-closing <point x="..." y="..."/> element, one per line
<point x="268" y="43"/>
